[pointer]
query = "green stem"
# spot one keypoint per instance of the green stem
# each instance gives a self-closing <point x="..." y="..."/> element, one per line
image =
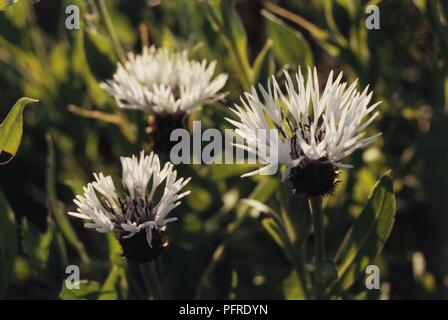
<point x="315" y="204"/>
<point x="110" y="29"/>
<point x="151" y="279"/>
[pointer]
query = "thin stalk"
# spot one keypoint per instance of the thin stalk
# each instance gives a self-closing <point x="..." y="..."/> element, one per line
<point x="315" y="204"/>
<point x="151" y="279"/>
<point x="110" y="29"/>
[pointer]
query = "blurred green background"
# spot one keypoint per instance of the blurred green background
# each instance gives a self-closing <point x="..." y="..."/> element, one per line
<point x="217" y="248"/>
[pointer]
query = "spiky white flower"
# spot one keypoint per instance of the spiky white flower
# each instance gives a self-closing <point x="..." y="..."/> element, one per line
<point x="315" y="128"/>
<point x="137" y="210"/>
<point x="162" y="82"/>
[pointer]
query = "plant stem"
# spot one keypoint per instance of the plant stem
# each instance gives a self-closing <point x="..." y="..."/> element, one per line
<point x="110" y="29"/>
<point x="315" y="204"/>
<point x="149" y="274"/>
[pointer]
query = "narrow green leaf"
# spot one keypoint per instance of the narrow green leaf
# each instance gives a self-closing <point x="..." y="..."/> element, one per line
<point x="226" y="22"/>
<point x="295" y="214"/>
<point x="269" y="219"/>
<point x="88" y="290"/>
<point x="6" y="3"/>
<point x="290" y="47"/>
<point x="292" y="288"/>
<point x="332" y="11"/>
<point x="274" y="230"/>
<point x="316" y="32"/>
<point x="8" y="243"/>
<point x="46" y="253"/>
<point x="99" y="55"/>
<point x="59" y="215"/>
<point x="365" y="240"/>
<point x="109" y="289"/>
<point x="11" y="130"/>
<point x="233" y="23"/>
<point x="262" y="192"/>
<point x="223" y="171"/>
<point x="116" y="286"/>
<point x="36" y="246"/>
<point x="264" y="65"/>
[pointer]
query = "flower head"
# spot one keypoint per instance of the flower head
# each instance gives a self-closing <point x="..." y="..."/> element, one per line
<point x="317" y="130"/>
<point x="137" y="220"/>
<point x="162" y="82"/>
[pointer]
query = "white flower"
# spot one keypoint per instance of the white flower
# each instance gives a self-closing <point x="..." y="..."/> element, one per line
<point x="136" y="210"/>
<point x="318" y="128"/>
<point x="162" y="82"/>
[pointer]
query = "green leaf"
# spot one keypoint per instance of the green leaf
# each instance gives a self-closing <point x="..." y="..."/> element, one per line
<point x="237" y="32"/>
<point x="6" y="3"/>
<point x="365" y="240"/>
<point x="269" y="219"/>
<point x="292" y="288"/>
<point x="264" y="65"/>
<point x="11" y="130"/>
<point x="8" y="243"/>
<point x="262" y="192"/>
<point x="316" y="32"/>
<point x="116" y="286"/>
<point x="109" y="289"/>
<point x="58" y="214"/>
<point x="99" y="55"/>
<point x="36" y="246"/>
<point x="227" y="23"/>
<point x="46" y="253"/>
<point x="220" y="172"/>
<point x="295" y="214"/>
<point x="87" y="290"/>
<point x="290" y="47"/>
<point x="336" y="11"/>
<point x="274" y="229"/>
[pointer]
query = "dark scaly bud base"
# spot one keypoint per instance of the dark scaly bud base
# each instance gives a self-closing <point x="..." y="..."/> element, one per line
<point x="137" y="249"/>
<point x="160" y="127"/>
<point x="311" y="178"/>
<point x="314" y="178"/>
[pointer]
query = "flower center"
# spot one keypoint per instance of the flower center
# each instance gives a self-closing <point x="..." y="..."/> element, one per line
<point x="136" y="248"/>
<point x="311" y="177"/>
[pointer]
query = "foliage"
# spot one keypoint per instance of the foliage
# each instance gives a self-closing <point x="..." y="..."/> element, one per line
<point x="236" y="238"/>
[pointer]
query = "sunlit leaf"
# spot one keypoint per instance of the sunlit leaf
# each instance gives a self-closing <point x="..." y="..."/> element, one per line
<point x="224" y="171"/>
<point x="227" y="23"/>
<point x="365" y="240"/>
<point x="36" y="246"/>
<point x="6" y="3"/>
<point x="116" y="286"/>
<point x="290" y="47"/>
<point x="59" y="215"/>
<point x="46" y="252"/>
<point x="295" y="214"/>
<point x="11" y="130"/>
<point x="109" y="290"/>
<point x="87" y="290"/>
<point x="264" y="65"/>
<point x="99" y="55"/>
<point x="292" y="289"/>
